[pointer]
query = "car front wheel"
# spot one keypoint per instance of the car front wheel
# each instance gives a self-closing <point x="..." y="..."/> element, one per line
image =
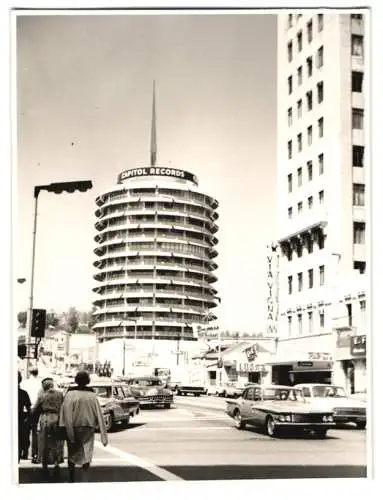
<point x="239" y="423"/>
<point x="361" y="425"/>
<point x="108" y="422"/>
<point x="271" y="427"/>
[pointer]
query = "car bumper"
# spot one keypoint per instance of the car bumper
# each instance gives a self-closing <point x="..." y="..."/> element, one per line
<point x="343" y="419"/>
<point x="303" y="425"/>
<point x="156" y="402"/>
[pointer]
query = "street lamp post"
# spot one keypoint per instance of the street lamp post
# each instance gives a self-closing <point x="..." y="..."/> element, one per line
<point x="57" y="188"/>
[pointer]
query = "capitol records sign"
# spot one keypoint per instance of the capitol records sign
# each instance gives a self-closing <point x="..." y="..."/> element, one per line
<point x="251" y="352"/>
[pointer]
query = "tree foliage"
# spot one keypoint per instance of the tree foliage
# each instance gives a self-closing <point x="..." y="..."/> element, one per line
<point x="22" y="318"/>
<point x="72" y="320"/>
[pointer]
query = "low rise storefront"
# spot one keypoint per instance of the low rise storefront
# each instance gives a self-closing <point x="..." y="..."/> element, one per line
<point x="308" y="359"/>
<point x="350" y="361"/>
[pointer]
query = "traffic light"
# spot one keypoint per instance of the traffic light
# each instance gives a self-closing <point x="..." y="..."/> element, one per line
<point x="38" y="323"/>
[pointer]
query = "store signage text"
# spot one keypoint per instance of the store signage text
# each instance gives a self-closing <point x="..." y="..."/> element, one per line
<point x="249" y="367"/>
<point x="319" y="356"/>
<point x="358" y="345"/>
<point x="167" y="172"/>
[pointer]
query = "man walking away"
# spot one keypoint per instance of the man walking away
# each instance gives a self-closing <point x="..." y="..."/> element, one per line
<point x="33" y="387"/>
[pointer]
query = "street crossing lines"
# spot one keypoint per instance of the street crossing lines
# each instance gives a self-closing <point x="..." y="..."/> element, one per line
<point x="140" y="462"/>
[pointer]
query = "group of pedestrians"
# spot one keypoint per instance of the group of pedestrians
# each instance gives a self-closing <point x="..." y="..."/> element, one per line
<point x="52" y="418"/>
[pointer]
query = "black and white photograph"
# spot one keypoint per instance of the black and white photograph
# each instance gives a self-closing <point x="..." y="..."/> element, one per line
<point x="191" y="257"/>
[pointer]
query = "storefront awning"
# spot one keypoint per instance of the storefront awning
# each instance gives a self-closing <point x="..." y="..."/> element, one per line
<point x="312" y="369"/>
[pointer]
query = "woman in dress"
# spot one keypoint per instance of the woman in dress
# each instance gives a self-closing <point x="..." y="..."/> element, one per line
<point x="47" y="411"/>
<point x="81" y="415"/>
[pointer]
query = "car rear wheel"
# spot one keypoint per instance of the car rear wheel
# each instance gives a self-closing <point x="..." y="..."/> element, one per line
<point x="320" y="433"/>
<point x="271" y="427"/>
<point x="361" y="425"/>
<point x="239" y="423"/>
<point x="125" y="423"/>
<point x="108" y="422"/>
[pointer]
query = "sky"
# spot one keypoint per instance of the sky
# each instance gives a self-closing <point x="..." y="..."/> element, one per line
<point x="84" y="96"/>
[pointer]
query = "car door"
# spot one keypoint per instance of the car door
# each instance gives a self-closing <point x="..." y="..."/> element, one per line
<point x="246" y="402"/>
<point x="256" y="414"/>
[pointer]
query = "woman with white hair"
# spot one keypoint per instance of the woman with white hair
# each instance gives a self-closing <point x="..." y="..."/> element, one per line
<point x="47" y="411"/>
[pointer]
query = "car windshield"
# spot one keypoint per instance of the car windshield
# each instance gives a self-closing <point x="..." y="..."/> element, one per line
<point x="102" y="392"/>
<point x="148" y="382"/>
<point x="328" y="391"/>
<point x="282" y="394"/>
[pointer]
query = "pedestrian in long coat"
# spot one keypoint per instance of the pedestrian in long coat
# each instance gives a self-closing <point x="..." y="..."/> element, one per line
<point x="81" y="415"/>
<point x="46" y="412"/>
<point x="24" y="419"/>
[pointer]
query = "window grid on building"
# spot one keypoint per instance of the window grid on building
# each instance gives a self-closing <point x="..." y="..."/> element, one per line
<point x="299" y="141"/>
<point x="300" y="207"/>
<point x="300" y="282"/>
<point x="357" y="118"/>
<point x="299" y="107"/>
<point x="310" y="202"/>
<point x="309" y="135"/>
<point x="321" y="319"/>
<point x="310" y="322"/>
<point x="290" y="84"/>
<point x="320" y="127"/>
<point x="290" y="284"/>
<point x="309" y="100"/>
<point x="300" y="75"/>
<point x="357" y="45"/>
<point x="321" y="197"/>
<point x="320" y="22"/>
<point x="320" y="57"/>
<point x="290" y="150"/>
<point x="359" y="233"/>
<point x="309" y="171"/>
<point x="299" y="41"/>
<point x="290" y="51"/>
<point x="309" y="66"/>
<point x="320" y="93"/>
<point x="310" y="278"/>
<point x="299" y="317"/>
<point x="290" y="212"/>
<point x="290" y="182"/>
<point x="358" y="192"/>
<point x="358" y="156"/>
<point x="299" y="176"/>
<point x="357" y="81"/>
<point x="290" y="117"/>
<point x="310" y="31"/>
<point x="321" y="163"/>
<point x="321" y="275"/>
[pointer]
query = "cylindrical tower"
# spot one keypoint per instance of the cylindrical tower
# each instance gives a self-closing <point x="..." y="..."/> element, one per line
<point x="155" y="249"/>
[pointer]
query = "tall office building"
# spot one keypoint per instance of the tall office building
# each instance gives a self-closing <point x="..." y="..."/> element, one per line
<point x="155" y="254"/>
<point x="321" y="174"/>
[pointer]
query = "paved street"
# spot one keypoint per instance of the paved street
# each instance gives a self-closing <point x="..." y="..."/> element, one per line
<point x="195" y="440"/>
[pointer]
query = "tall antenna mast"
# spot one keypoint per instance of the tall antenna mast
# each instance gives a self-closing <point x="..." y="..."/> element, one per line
<point x="153" y="138"/>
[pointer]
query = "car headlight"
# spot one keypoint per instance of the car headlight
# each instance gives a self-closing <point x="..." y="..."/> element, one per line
<point x="327" y="418"/>
<point x="284" y="418"/>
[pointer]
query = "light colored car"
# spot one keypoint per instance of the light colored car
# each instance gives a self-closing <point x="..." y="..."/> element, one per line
<point x="276" y="408"/>
<point x="149" y="391"/>
<point x="228" y="391"/>
<point x="333" y="397"/>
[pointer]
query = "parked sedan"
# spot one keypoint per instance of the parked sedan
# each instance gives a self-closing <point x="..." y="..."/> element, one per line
<point x="276" y="408"/>
<point x="229" y="391"/>
<point x="333" y="397"/>
<point x="150" y="391"/>
<point x="117" y="403"/>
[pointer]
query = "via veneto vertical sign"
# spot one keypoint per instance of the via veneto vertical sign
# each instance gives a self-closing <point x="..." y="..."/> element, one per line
<point x="358" y="345"/>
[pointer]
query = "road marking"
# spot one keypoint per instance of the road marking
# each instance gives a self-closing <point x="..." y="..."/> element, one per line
<point x="140" y="462"/>
<point x="156" y="429"/>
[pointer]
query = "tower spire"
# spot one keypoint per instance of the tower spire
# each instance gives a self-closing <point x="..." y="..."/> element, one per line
<point x="153" y="138"/>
